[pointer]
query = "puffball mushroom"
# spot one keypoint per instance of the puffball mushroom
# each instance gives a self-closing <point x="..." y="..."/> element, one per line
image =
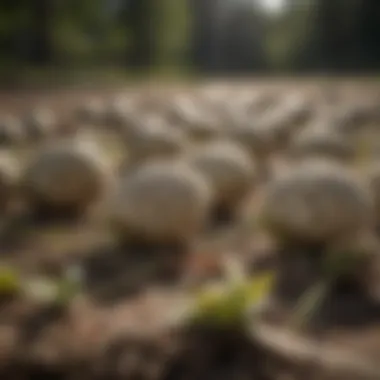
<point x="181" y="109"/>
<point x="119" y="112"/>
<point x="161" y="203"/>
<point x="256" y="140"/>
<point x="11" y="130"/>
<point x="201" y="127"/>
<point x="147" y="141"/>
<point x="316" y="202"/>
<point x="321" y="143"/>
<point x="91" y="112"/>
<point x="197" y="123"/>
<point x="229" y="169"/>
<point x="66" y="177"/>
<point x="40" y="123"/>
<point x="348" y="119"/>
<point x="280" y="126"/>
<point x="299" y="108"/>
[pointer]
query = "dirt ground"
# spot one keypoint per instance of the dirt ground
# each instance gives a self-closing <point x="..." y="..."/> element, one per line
<point x="121" y="325"/>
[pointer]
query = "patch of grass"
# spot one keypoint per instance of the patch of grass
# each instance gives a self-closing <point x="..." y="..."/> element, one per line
<point x="228" y="305"/>
<point x="229" y="302"/>
<point x="58" y="291"/>
<point x="10" y="282"/>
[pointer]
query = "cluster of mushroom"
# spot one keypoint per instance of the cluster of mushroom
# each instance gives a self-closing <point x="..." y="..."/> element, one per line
<point x="168" y="197"/>
<point x="190" y="157"/>
<point x="36" y="125"/>
<point x="329" y="215"/>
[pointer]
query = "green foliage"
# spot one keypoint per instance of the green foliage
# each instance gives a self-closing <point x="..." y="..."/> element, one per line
<point x="335" y="265"/>
<point x="10" y="282"/>
<point x="52" y="291"/>
<point x="170" y="34"/>
<point x="309" y="304"/>
<point x="59" y="291"/>
<point x="342" y="263"/>
<point x="172" y="26"/>
<point x="86" y="33"/>
<point x="227" y="304"/>
<point x="69" y="285"/>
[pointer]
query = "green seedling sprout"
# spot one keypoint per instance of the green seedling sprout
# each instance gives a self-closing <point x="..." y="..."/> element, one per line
<point x="309" y="304"/>
<point x="335" y="265"/>
<point x="56" y="291"/>
<point x="226" y="304"/>
<point x="10" y="282"/>
<point x="45" y="290"/>
<point x="69" y="286"/>
<point x="41" y="290"/>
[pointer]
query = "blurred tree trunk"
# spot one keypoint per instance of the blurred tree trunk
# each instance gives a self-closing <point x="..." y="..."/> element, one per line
<point x="204" y="38"/>
<point x="368" y="33"/>
<point x="141" y="21"/>
<point x="327" y="39"/>
<point x="171" y="30"/>
<point x="243" y="41"/>
<point x="42" y="22"/>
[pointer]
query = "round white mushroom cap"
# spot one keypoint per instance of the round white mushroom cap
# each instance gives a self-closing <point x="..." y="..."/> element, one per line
<point x="153" y="139"/>
<point x="162" y="202"/>
<point x="316" y="201"/>
<point x="257" y="140"/>
<point x="320" y="142"/>
<point x="11" y="130"/>
<point x="92" y="111"/>
<point x="120" y="111"/>
<point x="41" y="122"/>
<point x="67" y="173"/>
<point x="229" y="169"/>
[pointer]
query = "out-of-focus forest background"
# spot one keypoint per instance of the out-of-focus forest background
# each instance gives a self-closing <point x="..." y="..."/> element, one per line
<point x="188" y="37"/>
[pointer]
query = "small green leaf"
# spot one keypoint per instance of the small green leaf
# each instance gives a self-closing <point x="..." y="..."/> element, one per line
<point x="41" y="290"/>
<point x="228" y="303"/>
<point x="52" y="291"/>
<point x="259" y="287"/>
<point x="66" y="291"/>
<point x="57" y="291"/>
<point x="309" y="304"/>
<point x="10" y="282"/>
<point x="344" y="262"/>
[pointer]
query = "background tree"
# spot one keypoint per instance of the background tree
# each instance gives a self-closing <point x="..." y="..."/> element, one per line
<point x="211" y="37"/>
